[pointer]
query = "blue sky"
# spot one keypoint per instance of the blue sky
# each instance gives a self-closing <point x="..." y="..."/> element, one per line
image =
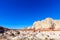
<point x="22" y="13"/>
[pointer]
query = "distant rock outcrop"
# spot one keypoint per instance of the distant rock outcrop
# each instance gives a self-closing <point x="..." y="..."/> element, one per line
<point x="2" y="29"/>
<point x="47" y="24"/>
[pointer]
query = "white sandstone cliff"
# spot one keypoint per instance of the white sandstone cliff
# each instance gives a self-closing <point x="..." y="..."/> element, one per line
<point x="47" y="23"/>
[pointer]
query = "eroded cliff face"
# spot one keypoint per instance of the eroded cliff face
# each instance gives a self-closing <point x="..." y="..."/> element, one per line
<point x="47" y="24"/>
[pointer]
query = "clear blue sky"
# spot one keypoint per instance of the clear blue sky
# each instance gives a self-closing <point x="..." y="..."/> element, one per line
<point x="21" y="13"/>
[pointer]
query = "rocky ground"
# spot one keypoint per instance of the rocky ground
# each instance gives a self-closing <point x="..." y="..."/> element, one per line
<point x="30" y="35"/>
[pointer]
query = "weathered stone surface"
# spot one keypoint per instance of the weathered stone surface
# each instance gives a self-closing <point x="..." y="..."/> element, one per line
<point x="47" y="23"/>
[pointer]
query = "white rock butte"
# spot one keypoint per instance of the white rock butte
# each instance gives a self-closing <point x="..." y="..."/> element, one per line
<point x="47" y="24"/>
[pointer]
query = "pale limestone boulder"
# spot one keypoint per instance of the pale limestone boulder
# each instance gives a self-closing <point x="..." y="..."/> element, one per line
<point x="40" y="36"/>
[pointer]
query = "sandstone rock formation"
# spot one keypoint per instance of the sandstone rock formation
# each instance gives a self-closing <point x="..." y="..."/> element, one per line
<point x="57" y="24"/>
<point x="47" y="24"/>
